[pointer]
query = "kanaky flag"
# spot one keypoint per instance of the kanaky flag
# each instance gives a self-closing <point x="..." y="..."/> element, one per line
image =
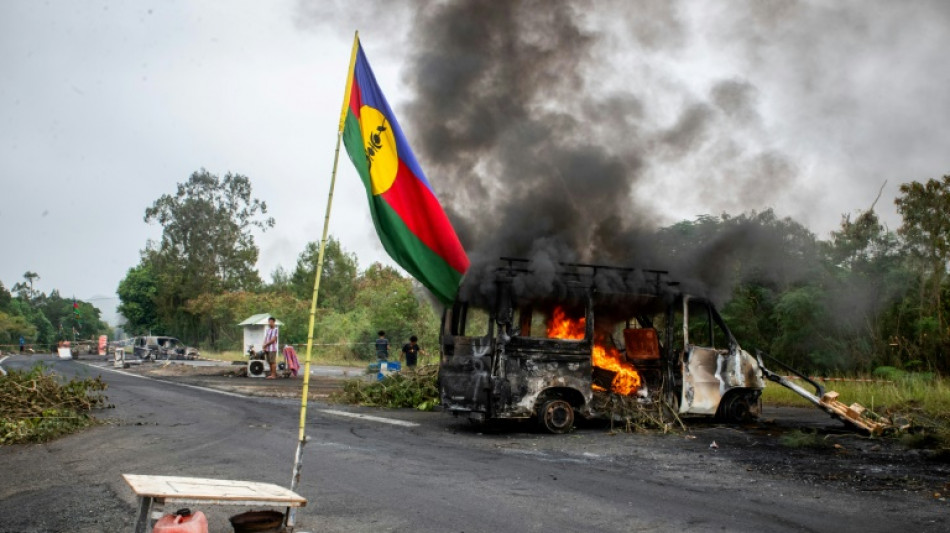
<point x="409" y="219"/>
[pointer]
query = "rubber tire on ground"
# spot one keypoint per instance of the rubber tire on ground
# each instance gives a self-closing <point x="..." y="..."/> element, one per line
<point x="737" y="409"/>
<point x="556" y="416"/>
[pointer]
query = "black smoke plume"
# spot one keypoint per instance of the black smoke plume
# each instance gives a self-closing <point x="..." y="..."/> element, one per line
<point x="534" y="158"/>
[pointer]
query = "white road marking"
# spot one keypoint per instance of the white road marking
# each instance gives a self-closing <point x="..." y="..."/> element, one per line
<point x="196" y="387"/>
<point x="370" y="418"/>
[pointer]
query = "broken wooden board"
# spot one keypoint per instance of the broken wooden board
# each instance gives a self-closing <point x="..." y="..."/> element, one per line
<point x="855" y="414"/>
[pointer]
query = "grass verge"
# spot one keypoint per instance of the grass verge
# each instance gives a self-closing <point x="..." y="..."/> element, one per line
<point x="920" y="402"/>
<point x="37" y="405"/>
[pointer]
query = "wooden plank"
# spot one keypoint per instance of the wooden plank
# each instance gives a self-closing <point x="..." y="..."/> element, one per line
<point x="192" y="488"/>
<point x="178" y="502"/>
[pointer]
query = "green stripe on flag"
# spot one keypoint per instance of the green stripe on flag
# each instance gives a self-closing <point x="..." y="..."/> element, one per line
<point x="420" y="261"/>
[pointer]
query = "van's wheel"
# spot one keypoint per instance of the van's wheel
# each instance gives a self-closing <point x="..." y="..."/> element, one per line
<point x="556" y="416"/>
<point x="740" y="407"/>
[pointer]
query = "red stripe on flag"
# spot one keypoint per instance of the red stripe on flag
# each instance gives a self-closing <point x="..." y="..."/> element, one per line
<point x="356" y="99"/>
<point x="423" y="215"/>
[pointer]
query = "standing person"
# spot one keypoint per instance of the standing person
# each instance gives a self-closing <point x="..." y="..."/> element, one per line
<point x="411" y="352"/>
<point x="22" y="343"/>
<point x="270" y="346"/>
<point x="382" y="347"/>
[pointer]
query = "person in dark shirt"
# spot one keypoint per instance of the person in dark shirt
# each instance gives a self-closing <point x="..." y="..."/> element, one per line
<point x="382" y="347"/>
<point x="411" y="352"/>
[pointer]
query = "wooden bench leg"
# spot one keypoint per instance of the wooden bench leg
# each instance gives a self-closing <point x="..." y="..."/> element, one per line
<point x="289" y="520"/>
<point x="145" y="511"/>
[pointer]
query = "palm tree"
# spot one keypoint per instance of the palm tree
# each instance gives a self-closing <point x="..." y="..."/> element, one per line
<point x="30" y="277"/>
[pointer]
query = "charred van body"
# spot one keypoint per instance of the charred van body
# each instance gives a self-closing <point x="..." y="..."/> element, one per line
<point x="521" y="353"/>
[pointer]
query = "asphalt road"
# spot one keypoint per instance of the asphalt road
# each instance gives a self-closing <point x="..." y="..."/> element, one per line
<point x="438" y="476"/>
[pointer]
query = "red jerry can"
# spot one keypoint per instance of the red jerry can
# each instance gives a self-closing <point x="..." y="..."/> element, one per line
<point x="183" y="521"/>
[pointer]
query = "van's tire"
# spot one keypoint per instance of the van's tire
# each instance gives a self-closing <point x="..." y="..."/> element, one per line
<point x="740" y="407"/>
<point x="556" y="416"/>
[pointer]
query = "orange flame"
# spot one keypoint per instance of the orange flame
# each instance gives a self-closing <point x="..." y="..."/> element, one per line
<point x="626" y="380"/>
<point x="563" y="327"/>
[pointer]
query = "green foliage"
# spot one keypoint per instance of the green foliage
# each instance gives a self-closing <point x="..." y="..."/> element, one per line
<point x="800" y="317"/>
<point x="45" y="332"/>
<point x="137" y="293"/>
<point x="888" y="373"/>
<point x="219" y="314"/>
<point x="417" y="390"/>
<point x="13" y="326"/>
<point x="68" y="324"/>
<point x="918" y="401"/>
<point x="337" y="281"/>
<point x="207" y="248"/>
<point x="391" y="303"/>
<point x="206" y="243"/>
<point x="37" y="405"/>
<point x="749" y="316"/>
<point x="846" y="304"/>
<point x="867" y="297"/>
<point x="6" y="299"/>
<point x="925" y="208"/>
<point x="44" y="319"/>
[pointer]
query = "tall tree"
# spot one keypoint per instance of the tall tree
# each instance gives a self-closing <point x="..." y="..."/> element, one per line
<point x="338" y="282"/>
<point x="207" y="244"/>
<point x="25" y="287"/>
<point x="925" y="208"/>
<point x="137" y="292"/>
<point x="30" y="277"/>
<point x="5" y="298"/>
<point x="926" y="227"/>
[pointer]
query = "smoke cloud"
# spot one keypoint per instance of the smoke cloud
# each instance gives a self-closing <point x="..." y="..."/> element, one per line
<point x="537" y="159"/>
<point x="572" y="131"/>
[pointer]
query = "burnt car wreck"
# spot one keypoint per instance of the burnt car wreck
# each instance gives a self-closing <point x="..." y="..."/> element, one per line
<point x="515" y="352"/>
<point x="157" y="348"/>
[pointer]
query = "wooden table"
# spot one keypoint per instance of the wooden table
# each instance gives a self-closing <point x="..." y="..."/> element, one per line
<point x="162" y="490"/>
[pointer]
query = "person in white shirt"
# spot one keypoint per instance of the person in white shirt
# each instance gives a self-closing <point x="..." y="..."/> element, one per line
<point x="270" y="346"/>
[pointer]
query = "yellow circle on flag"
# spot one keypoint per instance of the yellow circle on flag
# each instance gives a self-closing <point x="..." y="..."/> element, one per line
<point x="379" y="142"/>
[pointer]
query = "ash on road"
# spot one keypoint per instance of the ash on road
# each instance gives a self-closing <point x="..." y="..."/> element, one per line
<point x="442" y="476"/>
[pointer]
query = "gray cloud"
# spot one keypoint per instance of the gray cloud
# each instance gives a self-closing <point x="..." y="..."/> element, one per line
<point x="630" y="114"/>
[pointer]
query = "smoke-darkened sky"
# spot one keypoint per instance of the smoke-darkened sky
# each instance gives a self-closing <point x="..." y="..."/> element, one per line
<point x="653" y="110"/>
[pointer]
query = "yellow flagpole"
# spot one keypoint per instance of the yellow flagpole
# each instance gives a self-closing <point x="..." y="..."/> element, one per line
<point x="302" y="437"/>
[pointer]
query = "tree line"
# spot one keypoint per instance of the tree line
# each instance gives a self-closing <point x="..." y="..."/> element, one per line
<point x="866" y="297"/>
<point x="41" y="319"/>
<point x="199" y="281"/>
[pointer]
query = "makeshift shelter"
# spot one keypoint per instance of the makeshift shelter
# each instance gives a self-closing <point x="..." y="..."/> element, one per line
<point x="254" y="327"/>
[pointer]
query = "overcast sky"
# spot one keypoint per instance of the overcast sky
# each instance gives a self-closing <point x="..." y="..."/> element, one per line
<point x="104" y="106"/>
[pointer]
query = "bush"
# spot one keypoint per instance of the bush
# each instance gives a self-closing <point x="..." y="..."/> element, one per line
<point x="415" y="389"/>
<point x="38" y="406"/>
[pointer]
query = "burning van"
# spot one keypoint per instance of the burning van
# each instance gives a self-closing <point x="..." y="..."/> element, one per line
<point x="552" y="343"/>
<point x="597" y="331"/>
